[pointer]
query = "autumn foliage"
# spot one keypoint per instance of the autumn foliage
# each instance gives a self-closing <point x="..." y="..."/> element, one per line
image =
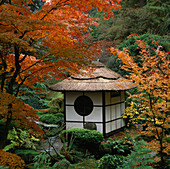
<point x="11" y="160"/>
<point x="36" y="45"/>
<point x="151" y="75"/>
<point x="21" y="113"/>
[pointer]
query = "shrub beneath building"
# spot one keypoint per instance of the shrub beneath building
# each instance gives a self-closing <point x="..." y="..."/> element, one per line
<point x="84" y="138"/>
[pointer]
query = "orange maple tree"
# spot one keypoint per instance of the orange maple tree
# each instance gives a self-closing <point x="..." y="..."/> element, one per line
<point x="151" y="75"/>
<point x="35" y="45"/>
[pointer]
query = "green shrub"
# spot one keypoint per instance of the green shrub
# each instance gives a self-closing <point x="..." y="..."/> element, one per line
<point x="42" y="161"/>
<point x="52" y="118"/>
<point x="63" y="164"/>
<point x="121" y="148"/>
<point x="110" y="161"/>
<point x="73" y="155"/>
<point x="140" y="158"/>
<point x="105" y="148"/>
<point x="26" y="155"/>
<point x="53" y="110"/>
<point x="56" y="106"/>
<point x="21" y="139"/>
<point x="131" y="44"/>
<point x="83" y="137"/>
<point x="86" y="164"/>
<point x="1" y="167"/>
<point x="115" y="64"/>
<point x="26" y="152"/>
<point x="114" y="147"/>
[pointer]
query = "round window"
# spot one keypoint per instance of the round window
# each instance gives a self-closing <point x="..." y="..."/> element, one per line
<point x="83" y="105"/>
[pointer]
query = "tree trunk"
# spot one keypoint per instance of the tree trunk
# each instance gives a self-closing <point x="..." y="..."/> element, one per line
<point x="10" y="89"/>
<point x="162" y="162"/>
<point x="4" y="135"/>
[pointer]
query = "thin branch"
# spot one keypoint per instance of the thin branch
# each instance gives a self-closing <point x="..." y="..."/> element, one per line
<point x="17" y="71"/>
<point x="4" y="74"/>
<point x="30" y="66"/>
<point x="54" y="8"/>
<point x="16" y="27"/>
<point x="21" y="60"/>
<point x="23" y="80"/>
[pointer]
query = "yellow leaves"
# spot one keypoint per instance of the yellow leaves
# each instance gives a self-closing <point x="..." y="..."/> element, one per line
<point x="158" y="121"/>
<point x="131" y="114"/>
<point x="152" y="76"/>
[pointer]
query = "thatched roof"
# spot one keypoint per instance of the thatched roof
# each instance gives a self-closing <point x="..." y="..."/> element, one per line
<point x="101" y="79"/>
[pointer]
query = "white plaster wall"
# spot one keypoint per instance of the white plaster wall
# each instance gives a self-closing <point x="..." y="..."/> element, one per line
<point x="108" y="113"/>
<point x="122" y="108"/>
<point x="108" y="127"/>
<point x="118" y="113"/>
<point x="71" y="97"/>
<point x="99" y="127"/>
<point x="113" y="125"/>
<point x="122" y="112"/>
<point x="95" y="116"/>
<point x="95" y="96"/>
<point x="119" y="123"/>
<point x="74" y="125"/>
<point x="113" y="111"/>
<point x="123" y="123"/>
<point x="71" y="114"/>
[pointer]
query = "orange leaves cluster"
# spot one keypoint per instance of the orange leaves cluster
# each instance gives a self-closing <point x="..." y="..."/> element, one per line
<point x="23" y="115"/>
<point x="58" y="22"/>
<point x="11" y="160"/>
<point x="151" y="75"/>
<point x="60" y="27"/>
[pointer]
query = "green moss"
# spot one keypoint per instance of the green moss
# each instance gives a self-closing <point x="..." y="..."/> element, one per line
<point x="52" y="118"/>
<point x="86" y="164"/>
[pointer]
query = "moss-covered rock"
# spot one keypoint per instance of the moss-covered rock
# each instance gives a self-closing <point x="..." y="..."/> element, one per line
<point x="90" y="126"/>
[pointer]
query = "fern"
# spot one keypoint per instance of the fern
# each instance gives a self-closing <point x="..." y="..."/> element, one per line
<point x="140" y="158"/>
<point x="42" y="161"/>
<point x="23" y="139"/>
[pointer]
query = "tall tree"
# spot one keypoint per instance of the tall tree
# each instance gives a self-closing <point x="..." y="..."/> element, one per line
<point x="141" y="17"/>
<point x="152" y="77"/>
<point x="35" y="45"/>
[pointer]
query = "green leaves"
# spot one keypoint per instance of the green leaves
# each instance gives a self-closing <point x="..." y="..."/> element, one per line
<point x="139" y="158"/>
<point x="21" y="139"/>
